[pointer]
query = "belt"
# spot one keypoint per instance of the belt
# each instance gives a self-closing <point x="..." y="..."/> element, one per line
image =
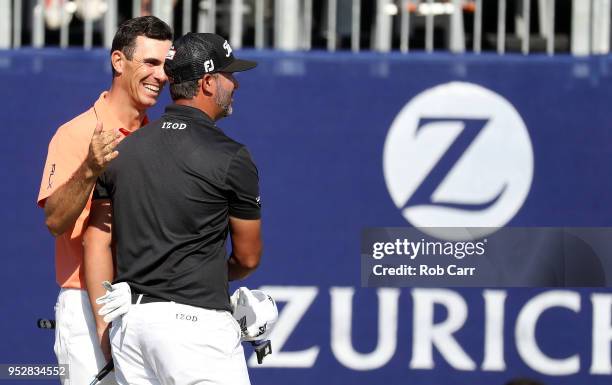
<point x="146" y="298"/>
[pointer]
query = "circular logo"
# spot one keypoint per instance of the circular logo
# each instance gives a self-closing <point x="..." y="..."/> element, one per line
<point x="458" y="155"/>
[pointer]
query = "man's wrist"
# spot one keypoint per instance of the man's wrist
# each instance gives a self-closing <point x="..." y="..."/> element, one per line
<point x="101" y="325"/>
<point x="88" y="173"/>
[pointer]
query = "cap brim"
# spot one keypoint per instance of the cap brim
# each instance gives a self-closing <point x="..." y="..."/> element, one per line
<point x="239" y="65"/>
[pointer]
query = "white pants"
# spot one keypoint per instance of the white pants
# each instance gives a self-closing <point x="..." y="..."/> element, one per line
<point x="76" y="340"/>
<point x="166" y="343"/>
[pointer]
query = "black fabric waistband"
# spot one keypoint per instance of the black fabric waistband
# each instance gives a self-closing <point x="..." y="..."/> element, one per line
<point x="146" y="298"/>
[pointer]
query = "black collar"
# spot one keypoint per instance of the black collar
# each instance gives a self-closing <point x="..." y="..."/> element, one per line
<point x="189" y="112"/>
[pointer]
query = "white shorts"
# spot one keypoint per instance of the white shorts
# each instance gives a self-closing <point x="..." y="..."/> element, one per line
<point x="76" y="340"/>
<point x="165" y="343"/>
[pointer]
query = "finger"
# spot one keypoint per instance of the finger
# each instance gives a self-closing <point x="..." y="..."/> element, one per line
<point x="114" y="313"/>
<point x="111" y="302"/>
<point x="108" y="137"/>
<point x="114" y="295"/>
<point x="107" y="299"/>
<point x="106" y="151"/>
<point x="112" y="316"/>
<point x="108" y="148"/>
<point x="111" y="141"/>
<point x="111" y="156"/>
<point x="104" y="310"/>
<point x="111" y="307"/>
<point x="115" y="133"/>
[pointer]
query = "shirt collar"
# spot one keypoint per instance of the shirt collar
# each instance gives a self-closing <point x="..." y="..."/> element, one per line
<point x="189" y="112"/>
<point x="103" y="113"/>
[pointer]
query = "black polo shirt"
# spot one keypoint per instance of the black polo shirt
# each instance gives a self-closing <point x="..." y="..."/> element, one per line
<point x="173" y="187"/>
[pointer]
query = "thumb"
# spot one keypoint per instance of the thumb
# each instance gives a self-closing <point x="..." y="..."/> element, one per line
<point x="102" y="300"/>
<point x="98" y="129"/>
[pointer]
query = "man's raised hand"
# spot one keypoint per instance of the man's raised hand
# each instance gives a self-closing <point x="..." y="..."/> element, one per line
<point x="102" y="149"/>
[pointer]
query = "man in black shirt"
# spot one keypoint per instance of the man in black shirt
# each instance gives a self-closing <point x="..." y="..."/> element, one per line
<point x="169" y="200"/>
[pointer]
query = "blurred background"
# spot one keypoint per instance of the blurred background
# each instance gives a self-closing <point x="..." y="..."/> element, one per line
<point x="580" y="27"/>
<point x="357" y="117"/>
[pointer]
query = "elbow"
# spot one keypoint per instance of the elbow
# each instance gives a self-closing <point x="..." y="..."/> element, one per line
<point x="241" y="265"/>
<point x="53" y="222"/>
<point x="249" y="261"/>
<point x="252" y="263"/>
<point x="256" y="257"/>
<point x="54" y="228"/>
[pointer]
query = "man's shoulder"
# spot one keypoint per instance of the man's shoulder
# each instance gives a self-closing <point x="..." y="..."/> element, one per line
<point x="214" y="139"/>
<point x="233" y="146"/>
<point x="234" y="151"/>
<point x="81" y="126"/>
<point x="230" y="142"/>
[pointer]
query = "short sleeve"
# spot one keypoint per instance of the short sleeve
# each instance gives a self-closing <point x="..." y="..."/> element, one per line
<point x="62" y="161"/>
<point x="102" y="189"/>
<point x="243" y="182"/>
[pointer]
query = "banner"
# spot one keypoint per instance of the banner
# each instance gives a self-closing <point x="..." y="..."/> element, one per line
<point x="345" y="142"/>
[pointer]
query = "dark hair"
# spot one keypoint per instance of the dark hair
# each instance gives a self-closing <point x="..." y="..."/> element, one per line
<point x="129" y="30"/>
<point x="184" y="90"/>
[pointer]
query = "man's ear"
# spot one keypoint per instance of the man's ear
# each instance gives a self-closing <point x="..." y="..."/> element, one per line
<point x="117" y="61"/>
<point x="207" y="84"/>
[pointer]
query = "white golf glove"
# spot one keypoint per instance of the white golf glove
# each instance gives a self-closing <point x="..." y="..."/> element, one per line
<point x="255" y="311"/>
<point x="116" y="301"/>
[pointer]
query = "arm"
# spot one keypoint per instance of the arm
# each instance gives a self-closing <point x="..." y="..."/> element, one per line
<point x="64" y="205"/>
<point x="98" y="262"/>
<point x="246" y="247"/>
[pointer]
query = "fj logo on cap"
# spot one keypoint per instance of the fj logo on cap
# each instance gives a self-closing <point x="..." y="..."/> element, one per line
<point x="227" y="49"/>
<point x="209" y="66"/>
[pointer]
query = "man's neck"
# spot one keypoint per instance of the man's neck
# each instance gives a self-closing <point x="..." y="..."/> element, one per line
<point x="201" y="104"/>
<point x="123" y="107"/>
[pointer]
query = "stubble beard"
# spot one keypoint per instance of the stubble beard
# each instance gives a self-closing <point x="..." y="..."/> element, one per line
<point x="223" y="99"/>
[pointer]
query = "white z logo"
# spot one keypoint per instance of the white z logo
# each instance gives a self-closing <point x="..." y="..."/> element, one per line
<point x="458" y="155"/>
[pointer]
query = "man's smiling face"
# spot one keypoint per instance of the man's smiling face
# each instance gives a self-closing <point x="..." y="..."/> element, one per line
<point x="144" y="73"/>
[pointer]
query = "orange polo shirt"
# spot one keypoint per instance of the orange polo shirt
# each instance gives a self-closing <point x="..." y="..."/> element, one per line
<point x="67" y="151"/>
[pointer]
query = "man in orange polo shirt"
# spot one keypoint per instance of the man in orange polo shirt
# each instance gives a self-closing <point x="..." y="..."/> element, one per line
<point x="78" y="152"/>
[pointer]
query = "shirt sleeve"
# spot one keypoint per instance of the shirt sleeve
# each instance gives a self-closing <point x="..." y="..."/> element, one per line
<point x="62" y="161"/>
<point x="243" y="182"/>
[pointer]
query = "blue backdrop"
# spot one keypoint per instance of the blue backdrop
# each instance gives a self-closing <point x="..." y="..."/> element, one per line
<point x="316" y="125"/>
